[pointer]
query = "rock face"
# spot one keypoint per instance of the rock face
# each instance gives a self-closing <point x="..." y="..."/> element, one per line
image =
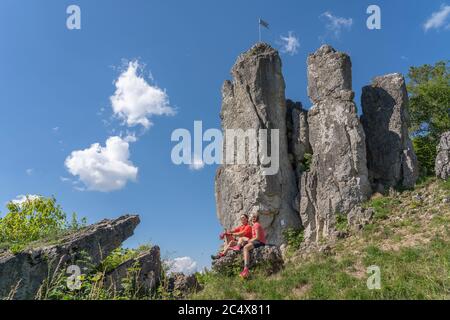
<point x="390" y="156"/>
<point x="338" y="178"/>
<point x="181" y="285"/>
<point x="255" y="100"/>
<point x="26" y="271"/>
<point x="146" y="279"/>
<point x="443" y="158"/>
<point x="269" y="257"/>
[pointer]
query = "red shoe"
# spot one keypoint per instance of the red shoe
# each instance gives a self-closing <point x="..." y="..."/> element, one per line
<point x="244" y="274"/>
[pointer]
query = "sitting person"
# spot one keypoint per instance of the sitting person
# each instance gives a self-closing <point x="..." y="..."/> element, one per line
<point x="231" y="238"/>
<point x="257" y="240"/>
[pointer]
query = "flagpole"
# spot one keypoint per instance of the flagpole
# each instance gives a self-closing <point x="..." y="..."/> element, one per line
<point x="259" y="29"/>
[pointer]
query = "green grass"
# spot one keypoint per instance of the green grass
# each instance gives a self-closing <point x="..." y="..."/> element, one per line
<point x="411" y="273"/>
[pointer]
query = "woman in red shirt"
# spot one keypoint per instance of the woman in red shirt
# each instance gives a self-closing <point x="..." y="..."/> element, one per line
<point x="231" y="238"/>
<point x="258" y="240"/>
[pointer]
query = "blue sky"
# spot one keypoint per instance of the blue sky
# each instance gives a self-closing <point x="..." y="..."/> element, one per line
<point x="56" y="86"/>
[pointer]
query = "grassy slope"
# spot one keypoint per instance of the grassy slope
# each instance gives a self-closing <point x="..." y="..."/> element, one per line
<point x="409" y="240"/>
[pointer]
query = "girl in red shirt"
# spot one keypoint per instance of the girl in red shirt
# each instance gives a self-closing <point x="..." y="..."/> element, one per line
<point x="258" y="240"/>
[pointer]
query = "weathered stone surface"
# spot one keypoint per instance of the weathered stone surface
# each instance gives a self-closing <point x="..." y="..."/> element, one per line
<point x="181" y="285"/>
<point x="338" y="178"/>
<point x="443" y="157"/>
<point x="268" y="257"/>
<point x="329" y="75"/>
<point x="146" y="278"/>
<point x="359" y="217"/>
<point x="27" y="270"/>
<point x="390" y="156"/>
<point x="255" y="99"/>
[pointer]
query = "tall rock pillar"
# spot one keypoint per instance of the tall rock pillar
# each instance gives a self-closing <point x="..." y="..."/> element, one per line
<point x="255" y="100"/>
<point x="390" y="156"/>
<point x="338" y="178"/>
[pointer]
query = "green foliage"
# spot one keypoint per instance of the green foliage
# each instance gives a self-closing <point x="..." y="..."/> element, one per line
<point x="306" y="163"/>
<point x="120" y="255"/>
<point x="35" y="219"/>
<point x="341" y="222"/>
<point x="294" y="238"/>
<point x="382" y="207"/>
<point x="426" y="151"/>
<point x="429" y="89"/>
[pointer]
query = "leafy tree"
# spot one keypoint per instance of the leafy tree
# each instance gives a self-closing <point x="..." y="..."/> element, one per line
<point x="429" y="108"/>
<point x="32" y="220"/>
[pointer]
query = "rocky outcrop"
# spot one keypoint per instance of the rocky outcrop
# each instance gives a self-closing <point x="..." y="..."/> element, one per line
<point x="390" y="156"/>
<point x="443" y="157"/>
<point x="144" y="272"/>
<point x="268" y="257"/>
<point x="255" y="100"/>
<point x="338" y="178"/>
<point x="181" y="285"/>
<point x="25" y="272"/>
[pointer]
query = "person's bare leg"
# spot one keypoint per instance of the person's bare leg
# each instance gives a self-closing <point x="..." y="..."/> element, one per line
<point x="247" y="250"/>
<point x="228" y="246"/>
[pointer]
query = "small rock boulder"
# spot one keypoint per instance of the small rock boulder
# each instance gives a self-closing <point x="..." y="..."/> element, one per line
<point x="181" y="285"/>
<point x="443" y="157"/>
<point x="144" y="272"/>
<point x="268" y="257"/>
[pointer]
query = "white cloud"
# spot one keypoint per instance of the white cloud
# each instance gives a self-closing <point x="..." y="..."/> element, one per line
<point x="184" y="265"/>
<point x="197" y="163"/>
<point x="290" y="44"/>
<point x="19" y="200"/>
<point x="438" y="19"/>
<point x="336" y="24"/>
<point x="135" y="100"/>
<point x="103" y="168"/>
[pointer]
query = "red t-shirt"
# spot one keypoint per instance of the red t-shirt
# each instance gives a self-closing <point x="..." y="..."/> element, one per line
<point x="246" y="229"/>
<point x="262" y="233"/>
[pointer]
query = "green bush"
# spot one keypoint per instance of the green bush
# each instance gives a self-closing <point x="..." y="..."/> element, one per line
<point x="426" y="151"/>
<point x="294" y="238"/>
<point x="32" y="220"/>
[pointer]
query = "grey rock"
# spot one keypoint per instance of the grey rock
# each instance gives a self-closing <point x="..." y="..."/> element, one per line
<point x="329" y="75"/>
<point x="443" y="157"/>
<point x="338" y="178"/>
<point x="26" y="271"/>
<point x="268" y="257"/>
<point x="390" y="155"/>
<point x="144" y="272"/>
<point x="255" y="99"/>
<point x="359" y="217"/>
<point x="181" y="285"/>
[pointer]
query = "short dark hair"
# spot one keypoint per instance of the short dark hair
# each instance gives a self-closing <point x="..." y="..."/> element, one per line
<point x="244" y="215"/>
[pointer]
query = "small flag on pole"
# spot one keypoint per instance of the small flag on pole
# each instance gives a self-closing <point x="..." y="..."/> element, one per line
<point x="263" y="23"/>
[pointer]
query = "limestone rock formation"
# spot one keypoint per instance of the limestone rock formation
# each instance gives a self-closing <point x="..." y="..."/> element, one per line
<point x="443" y="157"/>
<point x="255" y="100"/>
<point x="267" y="257"/>
<point x="146" y="279"/>
<point x="338" y="178"/>
<point x="26" y="271"/>
<point x="390" y="156"/>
